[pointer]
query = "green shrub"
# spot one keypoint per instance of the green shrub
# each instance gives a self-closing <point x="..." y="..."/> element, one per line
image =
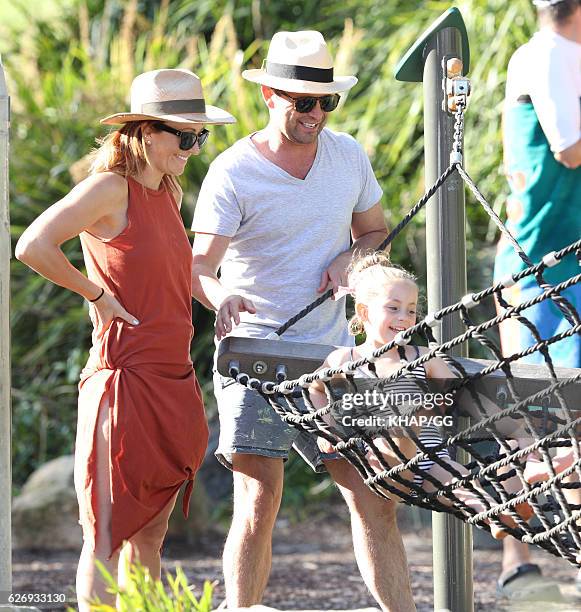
<point x="143" y="594"/>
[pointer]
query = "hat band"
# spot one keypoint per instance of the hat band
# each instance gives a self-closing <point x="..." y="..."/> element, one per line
<point x="173" y="107"/>
<point x="300" y="73"/>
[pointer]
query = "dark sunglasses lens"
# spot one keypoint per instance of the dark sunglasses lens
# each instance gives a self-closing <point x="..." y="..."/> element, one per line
<point x="203" y="137"/>
<point x="305" y="105"/>
<point x="187" y="140"/>
<point x="329" y="103"/>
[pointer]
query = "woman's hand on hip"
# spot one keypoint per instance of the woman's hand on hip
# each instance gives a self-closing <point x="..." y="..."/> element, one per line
<point x="107" y="308"/>
<point x="229" y="311"/>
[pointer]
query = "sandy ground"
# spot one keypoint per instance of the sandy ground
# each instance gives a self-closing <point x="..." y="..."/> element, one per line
<point x="313" y="568"/>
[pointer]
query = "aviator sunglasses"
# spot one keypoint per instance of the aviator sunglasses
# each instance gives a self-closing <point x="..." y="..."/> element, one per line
<point x="187" y="139"/>
<point x="305" y="105"/>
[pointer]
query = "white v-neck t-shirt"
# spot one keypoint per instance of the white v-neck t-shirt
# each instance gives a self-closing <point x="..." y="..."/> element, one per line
<point x="286" y="231"/>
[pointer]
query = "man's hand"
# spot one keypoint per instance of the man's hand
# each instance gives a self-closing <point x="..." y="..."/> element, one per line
<point x="336" y="273"/>
<point x="571" y="157"/>
<point x="229" y="310"/>
<point x="368" y="230"/>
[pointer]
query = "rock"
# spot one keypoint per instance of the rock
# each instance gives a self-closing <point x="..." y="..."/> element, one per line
<point x="188" y="530"/>
<point x="45" y="514"/>
<point x="217" y="479"/>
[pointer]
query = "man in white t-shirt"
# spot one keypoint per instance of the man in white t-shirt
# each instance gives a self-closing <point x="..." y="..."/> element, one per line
<point x="542" y="149"/>
<point x="276" y="214"/>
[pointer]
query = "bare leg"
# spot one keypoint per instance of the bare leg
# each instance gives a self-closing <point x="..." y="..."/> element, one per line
<point x="90" y="584"/>
<point x="515" y="553"/>
<point x="405" y="445"/>
<point x="377" y="541"/>
<point x="145" y="545"/>
<point x="258" y="483"/>
<point x="573" y="496"/>
<point x="467" y="496"/>
<point x="536" y="469"/>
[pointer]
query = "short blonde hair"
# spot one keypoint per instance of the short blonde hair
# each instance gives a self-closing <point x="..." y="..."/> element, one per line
<point x="368" y="274"/>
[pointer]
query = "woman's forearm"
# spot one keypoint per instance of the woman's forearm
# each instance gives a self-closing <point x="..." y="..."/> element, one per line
<point x="49" y="261"/>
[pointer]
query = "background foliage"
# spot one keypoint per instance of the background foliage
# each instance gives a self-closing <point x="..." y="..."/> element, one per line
<point x="69" y="68"/>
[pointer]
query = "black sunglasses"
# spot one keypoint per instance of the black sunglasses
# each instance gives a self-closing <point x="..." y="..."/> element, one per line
<point x="305" y="105"/>
<point x="187" y="139"/>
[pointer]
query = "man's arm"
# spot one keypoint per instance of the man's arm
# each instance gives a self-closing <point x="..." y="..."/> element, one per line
<point x="208" y="252"/>
<point x="556" y="103"/>
<point x="368" y="230"/>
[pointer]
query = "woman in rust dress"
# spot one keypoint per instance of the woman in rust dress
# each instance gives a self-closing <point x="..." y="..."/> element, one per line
<point x="141" y="430"/>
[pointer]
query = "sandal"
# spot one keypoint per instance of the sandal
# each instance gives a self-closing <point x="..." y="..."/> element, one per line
<point x="526" y="583"/>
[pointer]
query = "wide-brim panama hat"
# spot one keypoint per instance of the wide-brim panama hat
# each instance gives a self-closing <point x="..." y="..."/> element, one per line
<point x="169" y="94"/>
<point x="546" y="3"/>
<point x="299" y="62"/>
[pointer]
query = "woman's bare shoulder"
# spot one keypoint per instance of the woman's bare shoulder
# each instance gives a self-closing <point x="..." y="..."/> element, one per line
<point x="109" y="187"/>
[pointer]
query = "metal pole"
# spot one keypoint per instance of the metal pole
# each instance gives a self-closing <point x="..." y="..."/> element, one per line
<point x="446" y="272"/>
<point x="5" y="421"/>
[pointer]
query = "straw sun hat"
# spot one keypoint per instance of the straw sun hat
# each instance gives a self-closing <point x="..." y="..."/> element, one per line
<point x="299" y="62"/>
<point x="169" y="95"/>
<point x="546" y="3"/>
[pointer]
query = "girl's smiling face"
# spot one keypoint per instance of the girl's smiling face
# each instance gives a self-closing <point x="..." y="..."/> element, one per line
<point x="390" y="312"/>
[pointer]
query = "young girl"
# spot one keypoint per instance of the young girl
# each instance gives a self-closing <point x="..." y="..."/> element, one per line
<point x="385" y="305"/>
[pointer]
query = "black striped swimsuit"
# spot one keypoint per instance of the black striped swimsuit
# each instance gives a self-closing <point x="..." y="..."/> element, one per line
<point x="430" y="435"/>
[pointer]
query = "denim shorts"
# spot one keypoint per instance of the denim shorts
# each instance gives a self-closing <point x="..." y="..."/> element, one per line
<point x="549" y="321"/>
<point x="249" y="425"/>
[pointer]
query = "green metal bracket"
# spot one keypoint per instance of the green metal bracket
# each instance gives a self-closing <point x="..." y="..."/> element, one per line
<point x="411" y="66"/>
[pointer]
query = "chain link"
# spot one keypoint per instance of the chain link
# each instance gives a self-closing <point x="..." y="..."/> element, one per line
<point x="457" y="154"/>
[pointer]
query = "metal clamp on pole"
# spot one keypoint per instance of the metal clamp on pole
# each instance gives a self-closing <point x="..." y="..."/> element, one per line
<point x="457" y="87"/>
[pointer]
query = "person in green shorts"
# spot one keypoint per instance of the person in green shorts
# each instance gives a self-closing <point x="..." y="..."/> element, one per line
<point x="542" y="146"/>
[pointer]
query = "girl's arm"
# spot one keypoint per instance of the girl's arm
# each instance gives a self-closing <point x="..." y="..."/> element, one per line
<point x="317" y="390"/>
<point x="436" y="367"/>
<point x="334" y="360"/>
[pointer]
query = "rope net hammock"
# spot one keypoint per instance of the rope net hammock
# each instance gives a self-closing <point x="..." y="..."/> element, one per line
<point x="509" y="464"/>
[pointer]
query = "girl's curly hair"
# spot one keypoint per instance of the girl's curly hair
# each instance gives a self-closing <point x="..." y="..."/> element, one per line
<point x="367" y="274"/>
